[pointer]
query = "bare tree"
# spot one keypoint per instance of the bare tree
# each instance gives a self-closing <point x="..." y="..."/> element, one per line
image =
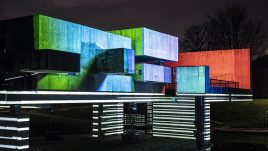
<point x="229" y="27"/>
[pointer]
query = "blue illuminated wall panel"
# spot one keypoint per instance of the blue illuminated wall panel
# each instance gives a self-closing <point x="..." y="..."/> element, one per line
<point x="152" y="44"/>
<point x="115" y="83"/>
<point x="152" y="73"/>
<point x="160" y="45"/>
<point x="192" y="79"/>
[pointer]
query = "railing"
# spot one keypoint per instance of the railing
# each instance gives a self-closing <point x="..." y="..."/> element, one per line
<point x="223" y="83"/>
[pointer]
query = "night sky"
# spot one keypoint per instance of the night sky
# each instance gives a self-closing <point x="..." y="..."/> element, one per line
<point x="168" y="16"/>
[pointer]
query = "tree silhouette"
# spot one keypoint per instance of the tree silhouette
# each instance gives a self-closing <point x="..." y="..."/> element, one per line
<point x="229" y="27"/>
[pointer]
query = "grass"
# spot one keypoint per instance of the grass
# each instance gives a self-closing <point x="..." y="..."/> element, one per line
<point x="241" y="114"/>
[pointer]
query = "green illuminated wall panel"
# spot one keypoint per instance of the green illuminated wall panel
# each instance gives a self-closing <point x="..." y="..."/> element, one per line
<point x="136" y="34"/>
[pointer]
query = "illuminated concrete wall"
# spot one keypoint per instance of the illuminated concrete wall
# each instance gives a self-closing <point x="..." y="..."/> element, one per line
<point x="230" y="65"/>
<point x="150" y="43"/>
<point x="192" y="79"/>
<point x="46" y="38"/>
<point x="116" y="61"/>
<point x="56" y="34"/>
<point x="152" y="73"/>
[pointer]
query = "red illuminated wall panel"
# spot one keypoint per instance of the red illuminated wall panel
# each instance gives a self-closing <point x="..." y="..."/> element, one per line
<point x="230" y="65"/>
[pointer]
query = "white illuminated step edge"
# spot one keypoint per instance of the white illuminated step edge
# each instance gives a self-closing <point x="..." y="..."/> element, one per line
<point x="14" y="147"/>
<point x="14" y="138"/>
<point x="72" y="101"/>
<point x="114" y="133"/>
<point x="14" y="119"/>
<point x="111" y="111"/>
<point x="185" y="125"/>
<point x="109" y="128"/>
<point x="168" y="112"/>
<point x="76" y="93"/>
<point x="115" y="122"/>
<point x="14" y="128"/>
<point x="170" y="130"/>
<point x="185" y="119"/>
<point x="171" y="106"/>
<point x="170" y="136"/>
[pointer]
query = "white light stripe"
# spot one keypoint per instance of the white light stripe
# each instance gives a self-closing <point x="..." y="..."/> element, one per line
<point x="14" y="147"/>
<point x="14" y="128"/>
<point x="76" y="93"/>
<point x="116" y="122"/>
<point x="172" y="130"/>
<point x="14" y="119"/>
<point x="112" y="105"/>
<point x="72" y="101"/>
<point x="14" y="138"/>
<point x="170" y="136"/>
<point x="183" y="119"/>
<point x="111" y="111"/>
<point x="109" y="128"/>
<point x="107" y="134"/>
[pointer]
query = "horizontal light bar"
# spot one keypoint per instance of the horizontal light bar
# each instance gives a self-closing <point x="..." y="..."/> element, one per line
<point x="14" y="138"/>
<point x="170" y="136"/>
<point x="14" y="119"/>
<point x="14" y="128"/>
<point x="114" y="127"/>
<point x="107" y="134"/>
<point x="14" y="147"/>
<point x="172" y="130"/>
<point x="72" y="101"/>
<point x="75" y="93"/>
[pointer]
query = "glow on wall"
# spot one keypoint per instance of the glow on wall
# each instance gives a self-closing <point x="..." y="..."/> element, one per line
<point x="116" y="61"/>
<point x="60" y="35"/>
<point x="152" y="73"/>
<point x="192" y="79"/>
<point x="114" y="83"/>
<point x="150" y="43"/>
<point x="230" y="65"/>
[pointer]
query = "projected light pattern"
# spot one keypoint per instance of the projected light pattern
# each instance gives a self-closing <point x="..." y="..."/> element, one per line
<point x="116" y="61"/>
<point x="117" y="83"/>
<point x="56" y="34"/>
<point x="229" y="65"/>
<point x="152" y="73"/>
<point x="150" y="43"/>
<point x="192" y="79"/>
